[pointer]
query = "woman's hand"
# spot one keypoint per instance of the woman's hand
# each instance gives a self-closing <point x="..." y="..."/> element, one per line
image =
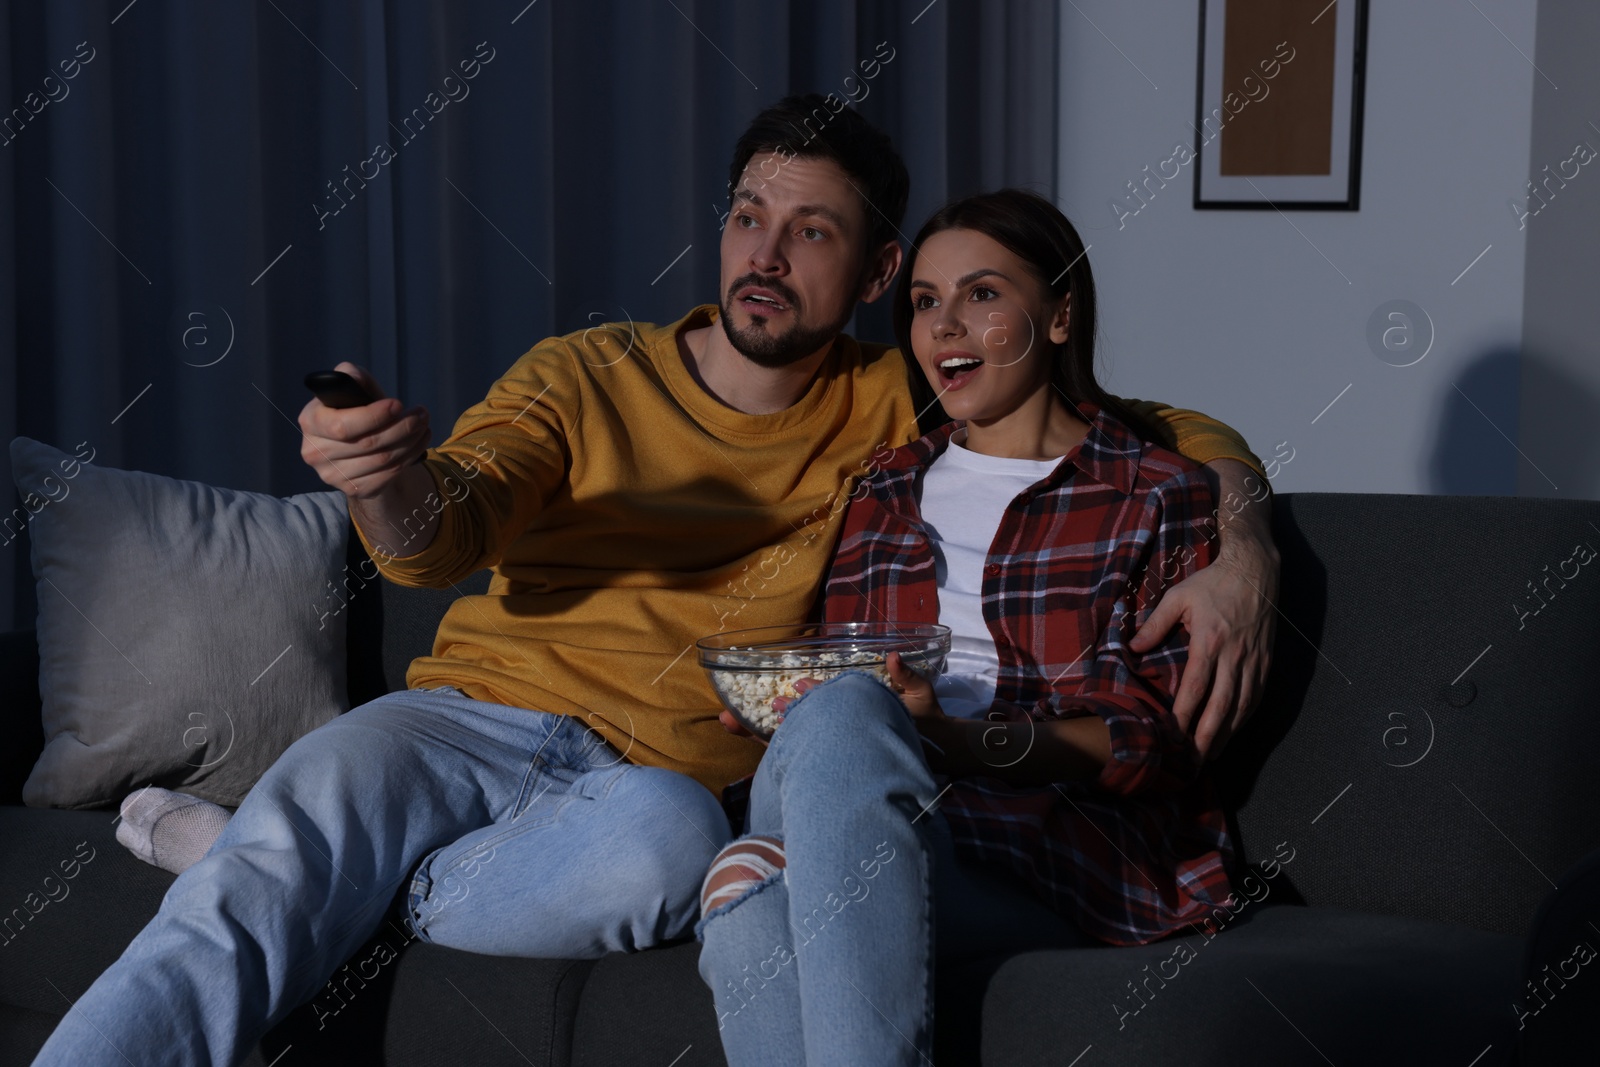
<point x="731" y="723"/>
<point x="734" y="726"/>
<point x="914" y="691"/>
<point x="801" y="688"/>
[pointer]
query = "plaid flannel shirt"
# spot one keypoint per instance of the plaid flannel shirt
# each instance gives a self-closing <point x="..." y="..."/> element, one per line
<point x="1078" y="564"/>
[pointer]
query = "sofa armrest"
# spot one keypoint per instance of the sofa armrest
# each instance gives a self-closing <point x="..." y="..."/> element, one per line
<point x="1554" y="1028"/>
<point x="19" y="712"/>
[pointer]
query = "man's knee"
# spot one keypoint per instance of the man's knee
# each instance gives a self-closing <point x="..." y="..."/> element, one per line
<point x="674" y="823"/>
<point x="740" y="867"/>
<point x="334" y="751"/>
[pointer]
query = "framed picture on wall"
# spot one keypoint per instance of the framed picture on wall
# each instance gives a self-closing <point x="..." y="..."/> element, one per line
<point x="1278" y="104"/>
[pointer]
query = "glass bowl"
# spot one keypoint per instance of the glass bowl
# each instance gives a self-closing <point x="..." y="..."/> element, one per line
<point x="750" y="668"/>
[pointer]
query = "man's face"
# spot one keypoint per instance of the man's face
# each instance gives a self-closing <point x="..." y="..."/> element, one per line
<point x="793" y="258"/>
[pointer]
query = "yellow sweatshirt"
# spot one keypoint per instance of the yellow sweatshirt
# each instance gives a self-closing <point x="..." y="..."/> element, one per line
<point x="627" y="513"/>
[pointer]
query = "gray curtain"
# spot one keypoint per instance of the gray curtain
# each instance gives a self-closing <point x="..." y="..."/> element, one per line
<point x="198" y="212"/>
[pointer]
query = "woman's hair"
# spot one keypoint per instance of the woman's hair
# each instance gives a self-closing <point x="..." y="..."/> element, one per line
<point x="1036" y="231"/>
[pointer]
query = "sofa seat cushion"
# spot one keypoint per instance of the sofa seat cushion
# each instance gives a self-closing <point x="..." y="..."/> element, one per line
<point x="399" y="1001"/>
<point x="23" y="1033"/>
<point x="1286" y="985"/>
<point x="648" y="1007"/>
<point x="73" y="899"/>
<point x="1363" y="988"/>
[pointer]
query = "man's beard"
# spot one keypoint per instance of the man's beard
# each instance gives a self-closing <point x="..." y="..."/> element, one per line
<point x="766" y="349"/>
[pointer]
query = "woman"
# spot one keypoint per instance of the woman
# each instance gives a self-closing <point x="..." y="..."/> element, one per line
<point x="1041" y="791"/>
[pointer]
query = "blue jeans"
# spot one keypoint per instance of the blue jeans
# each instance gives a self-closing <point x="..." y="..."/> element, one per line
<point x="534" y="839"/>
<point x="831" y="960"/>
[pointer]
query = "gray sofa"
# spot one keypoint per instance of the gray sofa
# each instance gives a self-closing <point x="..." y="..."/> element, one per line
<point x="1417" y="797"/>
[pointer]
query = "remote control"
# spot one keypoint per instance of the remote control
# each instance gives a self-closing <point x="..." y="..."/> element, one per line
<point x="337" y="389"/>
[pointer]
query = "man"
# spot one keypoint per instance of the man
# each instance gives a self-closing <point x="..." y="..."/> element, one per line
<point x="634" y="488"/>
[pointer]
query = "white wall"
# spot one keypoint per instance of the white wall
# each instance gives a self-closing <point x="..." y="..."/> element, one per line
<point x="1560" y="314"/>
<point x="1237" y="314"/>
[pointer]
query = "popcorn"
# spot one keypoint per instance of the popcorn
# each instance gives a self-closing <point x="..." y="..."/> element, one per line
<point x="749" y="694"/>
<point x="751" y="668"/>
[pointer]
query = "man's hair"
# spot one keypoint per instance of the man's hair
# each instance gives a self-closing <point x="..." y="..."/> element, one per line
<point x="805" y="126"/>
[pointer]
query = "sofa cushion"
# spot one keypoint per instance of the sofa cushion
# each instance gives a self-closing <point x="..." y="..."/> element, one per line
<point x="1364" y="988"/>
<point x="74" y="898"/>
<point x="1561" y="978"/>
<point x="1287" y="986"/>
<point x="23" y="1033"/>
<point x="1418" y="727"/>
<point x="648" y="1007"/>
<point x="435" y="1007"/>
<point x="187" y="634"/>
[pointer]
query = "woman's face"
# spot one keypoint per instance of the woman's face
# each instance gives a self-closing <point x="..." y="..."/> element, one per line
<point x="983" y="329"/>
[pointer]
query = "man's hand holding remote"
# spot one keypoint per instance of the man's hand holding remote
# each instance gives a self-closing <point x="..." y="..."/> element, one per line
<point x="370" y="453"/>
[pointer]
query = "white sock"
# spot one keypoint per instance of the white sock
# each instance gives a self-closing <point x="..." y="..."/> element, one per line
<point x="170" y="830"/>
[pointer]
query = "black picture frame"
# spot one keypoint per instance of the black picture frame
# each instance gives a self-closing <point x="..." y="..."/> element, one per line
<point x="1338" y="191"/>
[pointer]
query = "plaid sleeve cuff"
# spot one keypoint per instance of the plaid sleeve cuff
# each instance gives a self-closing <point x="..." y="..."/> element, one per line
<point x="1147" y="755"/>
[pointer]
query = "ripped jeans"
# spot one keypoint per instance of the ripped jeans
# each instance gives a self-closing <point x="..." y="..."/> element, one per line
<point x="831" y="960"/>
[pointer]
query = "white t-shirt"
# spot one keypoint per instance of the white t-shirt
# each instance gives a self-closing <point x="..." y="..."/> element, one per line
<point x="964" y="494"/>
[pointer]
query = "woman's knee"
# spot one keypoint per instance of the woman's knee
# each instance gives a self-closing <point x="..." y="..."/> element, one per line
<point x="739" y="868"/>
<point x="844" y="704"/>
<point x="850" y="726"/>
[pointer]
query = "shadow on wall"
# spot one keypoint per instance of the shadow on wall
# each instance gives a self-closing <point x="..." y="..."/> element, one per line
<point x="1562" y="436"/>
<point x="1559" y="455"/>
